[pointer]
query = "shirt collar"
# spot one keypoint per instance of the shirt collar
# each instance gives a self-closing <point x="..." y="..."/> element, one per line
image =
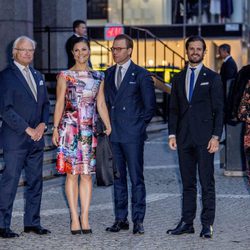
<point x="20" y="66"/>
<point x="197" y="67"/>
<point x="126" y="65"/>
<point x="226" y="58"/>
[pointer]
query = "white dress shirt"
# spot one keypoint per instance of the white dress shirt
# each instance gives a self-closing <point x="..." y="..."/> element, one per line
<point x="125" y="67"/>
<point x="188" y="75"/>
<point x="21" y="68"/>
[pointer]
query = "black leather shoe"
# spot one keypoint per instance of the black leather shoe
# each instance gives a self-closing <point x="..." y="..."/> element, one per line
<point x="138" y="228"/>
<point x="182" y="228"/>
<point x="206" y="232"/>
<point x="37" y="230"/>
<point x="7" y="233"/>
<point x="118" y="225"/>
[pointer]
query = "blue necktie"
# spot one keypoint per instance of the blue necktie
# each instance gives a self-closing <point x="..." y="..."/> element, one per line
<point x="191" y="84"/>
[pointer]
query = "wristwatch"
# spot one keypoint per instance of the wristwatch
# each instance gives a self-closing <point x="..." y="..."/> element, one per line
<point x="54" y="127"/>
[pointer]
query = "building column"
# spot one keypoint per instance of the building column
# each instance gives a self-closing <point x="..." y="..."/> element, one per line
<point x="16" y="19"/>
<point x="61" y="13"/>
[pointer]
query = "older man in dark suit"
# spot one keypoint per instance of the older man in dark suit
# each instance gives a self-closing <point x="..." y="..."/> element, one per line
<point x="25" y="112"/>
<point x="228" y="68"/>
<point x="195" y="126"/>
<point x="130" y="98"/>
<point x="228" y="72"/>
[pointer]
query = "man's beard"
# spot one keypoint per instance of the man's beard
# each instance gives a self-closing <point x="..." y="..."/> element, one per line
<point x="197" y="61"/>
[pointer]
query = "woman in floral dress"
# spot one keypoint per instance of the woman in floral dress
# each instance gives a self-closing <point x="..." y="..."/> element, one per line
<point x="80" y="92"/>
<point x="244" y="115"/>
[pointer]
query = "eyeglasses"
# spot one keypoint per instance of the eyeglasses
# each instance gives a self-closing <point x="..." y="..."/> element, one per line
<point x="26" y="50"/>
<point x="118" y="49"/>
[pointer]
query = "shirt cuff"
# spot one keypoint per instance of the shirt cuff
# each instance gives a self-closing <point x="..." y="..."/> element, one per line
<point x="171" y="136"/>
<point x="215" y="137"/>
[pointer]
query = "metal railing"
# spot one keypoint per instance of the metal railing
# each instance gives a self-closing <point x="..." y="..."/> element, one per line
<point x="48" y="58"/>
<point x="161" y="72"/>
<point x="146" y="35"/>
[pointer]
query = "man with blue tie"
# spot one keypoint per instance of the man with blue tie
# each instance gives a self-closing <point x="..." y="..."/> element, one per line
<point x="24" y="107"/>
<point x="130" y="97"/>
<point x="195" y="127"/>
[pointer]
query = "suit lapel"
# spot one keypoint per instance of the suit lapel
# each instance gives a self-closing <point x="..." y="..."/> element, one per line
<point x="199" y="80"/>
<point x="183" y="82"/>
<point x="20" y="76"/>
<point x="111" y="80"/>
<point x="125" y="80"/>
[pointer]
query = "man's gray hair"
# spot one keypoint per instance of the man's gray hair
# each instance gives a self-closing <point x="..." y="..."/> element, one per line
<point x="22" y="38"/>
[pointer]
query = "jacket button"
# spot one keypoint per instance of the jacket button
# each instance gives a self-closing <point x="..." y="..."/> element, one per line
<point x="190" y="106"/>
<point x="124" y="108"/>
<point x="113" y="107"/>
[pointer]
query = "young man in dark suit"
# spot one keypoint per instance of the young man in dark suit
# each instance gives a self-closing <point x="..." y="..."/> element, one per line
<point x="130" y="97"/>
<point x="195" y="126"/>
<point x="24" y="107"/>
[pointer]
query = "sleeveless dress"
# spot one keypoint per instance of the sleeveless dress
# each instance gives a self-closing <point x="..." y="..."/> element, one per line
<point x="77" y="140"/>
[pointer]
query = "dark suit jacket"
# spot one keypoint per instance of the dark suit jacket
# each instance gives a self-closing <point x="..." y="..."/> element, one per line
<point x="71" y="60"/>
<point x="228" y="71"/>
<point x="131" y="107"/>
<point x="203" y="116"/>
<point x="19" y="108"/>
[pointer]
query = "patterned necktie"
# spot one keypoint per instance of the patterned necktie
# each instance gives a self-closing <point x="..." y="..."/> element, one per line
<point x="119" y="77"/>
<point x="191" y="84"/>
<point x="30" y="83"/>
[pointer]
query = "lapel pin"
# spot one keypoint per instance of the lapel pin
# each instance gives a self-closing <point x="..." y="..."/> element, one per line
<point x="204" y="74"/>
<point x="133" y="74"/>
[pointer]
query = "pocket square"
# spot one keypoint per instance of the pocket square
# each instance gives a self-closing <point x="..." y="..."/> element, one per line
<point x="204" y="83"/>
<point x="132" y="82"/>
<point x="41" y="83"/>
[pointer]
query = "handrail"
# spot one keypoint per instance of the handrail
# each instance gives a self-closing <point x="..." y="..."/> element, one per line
<point x="158" y="39"/>
<point x="147" y="34"/>
<point x="50" y="30"/>
<point x="141" y="34"/>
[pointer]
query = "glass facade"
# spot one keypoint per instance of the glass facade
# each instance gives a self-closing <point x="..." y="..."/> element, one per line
<point x="140" y="12"/>
<point x="166" y="12"/>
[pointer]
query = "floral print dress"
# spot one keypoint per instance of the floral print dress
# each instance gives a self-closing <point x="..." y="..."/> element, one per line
<point x="244" y="115"/>
<point x="77" y="141"/>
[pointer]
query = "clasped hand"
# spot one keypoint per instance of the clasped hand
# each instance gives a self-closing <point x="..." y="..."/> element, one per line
<point x="36" y="134"/>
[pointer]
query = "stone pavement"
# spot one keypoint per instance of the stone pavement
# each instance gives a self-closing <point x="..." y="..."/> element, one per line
<point x="231" y="228"/>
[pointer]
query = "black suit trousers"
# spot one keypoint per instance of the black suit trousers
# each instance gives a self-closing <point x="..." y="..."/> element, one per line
<point x="190" y="157"/>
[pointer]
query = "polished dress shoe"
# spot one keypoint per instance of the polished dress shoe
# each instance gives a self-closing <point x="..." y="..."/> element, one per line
<point x="206" y="232"/>
<point x="37" y="230"/>
<point x="138" y="228"/>
<point x="118" y="225"/>
<point x="7" y="233"/>
<point x="182" y="228"/>
<point x="87" y="231"/>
